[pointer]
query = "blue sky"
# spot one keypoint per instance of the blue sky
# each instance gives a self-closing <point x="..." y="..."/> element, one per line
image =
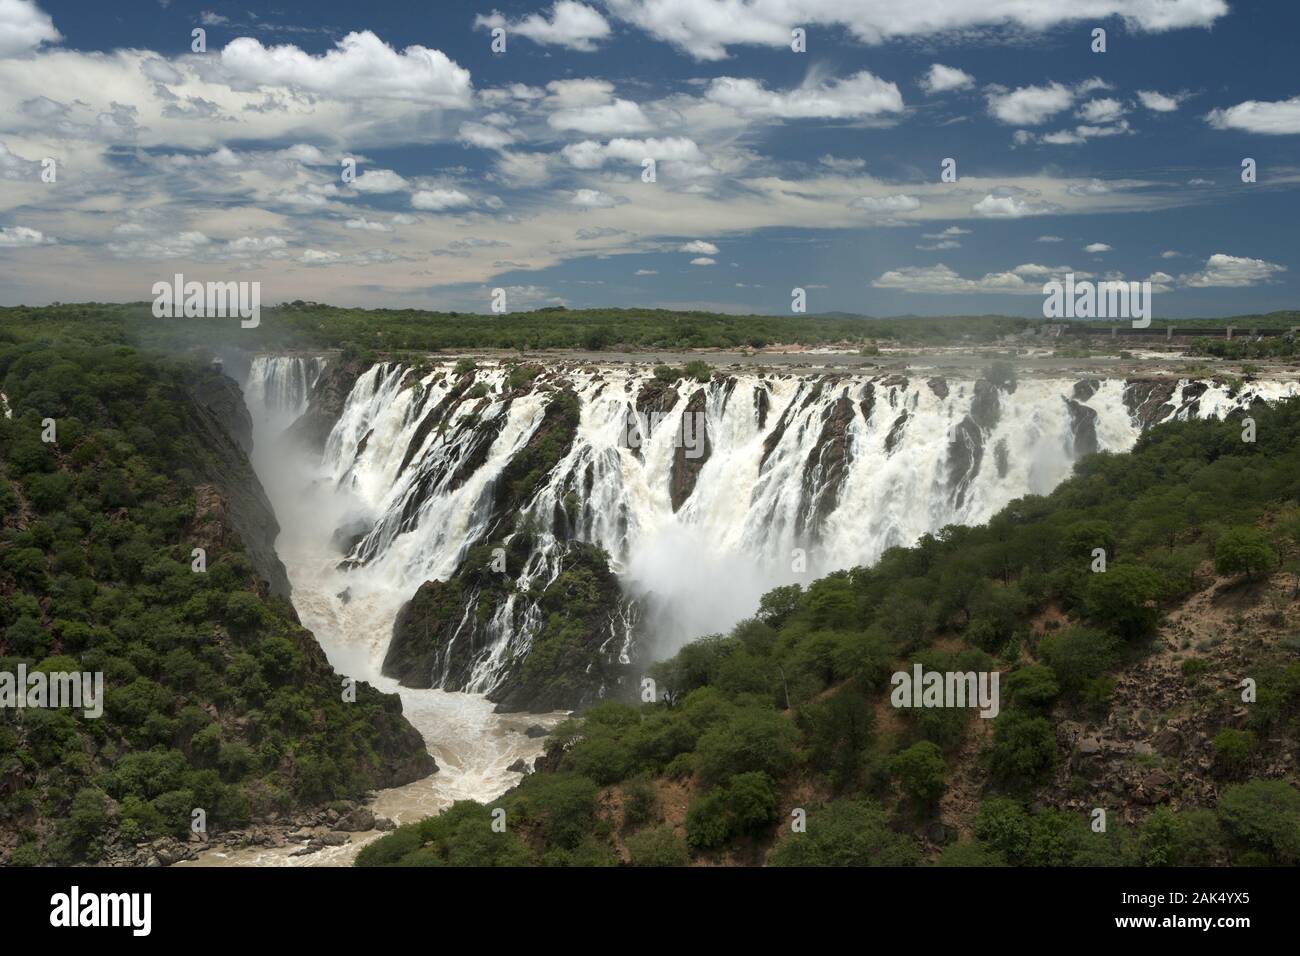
<point x="775" y="169"/>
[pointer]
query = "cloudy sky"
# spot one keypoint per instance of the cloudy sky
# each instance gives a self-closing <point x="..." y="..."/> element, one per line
<point x="525" y="169"/>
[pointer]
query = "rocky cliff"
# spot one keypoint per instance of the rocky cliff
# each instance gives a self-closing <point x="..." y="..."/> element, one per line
<point x="220" y="420"/>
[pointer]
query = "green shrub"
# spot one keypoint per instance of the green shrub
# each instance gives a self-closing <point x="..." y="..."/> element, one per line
<point x="639" y="801"/>
<point x="707" y="823"/>
<point x="751" y="739"/>
<point x="968" y="853"/>
<point x="846" y="833"/>
<point x="1232" y="751"/>
<point x="1002" y="825"/>
<point x="698" y="370"/>
<point x="1078" y="655"/>
<point x="920" y="772"/>
<point x="657" y="846"/>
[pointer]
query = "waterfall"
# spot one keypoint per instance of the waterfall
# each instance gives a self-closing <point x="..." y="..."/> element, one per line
<point x="798" y="474"/>
<point x="804" y="474"/>
<point x="277" y="389"/>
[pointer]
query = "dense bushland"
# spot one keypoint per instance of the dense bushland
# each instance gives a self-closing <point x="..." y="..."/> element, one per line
<point x="214" y="696"/>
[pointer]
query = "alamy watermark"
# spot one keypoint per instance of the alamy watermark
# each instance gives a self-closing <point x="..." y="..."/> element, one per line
<point x="208" y="300"/>
<point x="77" y="690"/>
<point x="923" y="688"/>
<point x="75" y="908"/>
<point x="689" y="435"/>
<point x="1098" y="300"/>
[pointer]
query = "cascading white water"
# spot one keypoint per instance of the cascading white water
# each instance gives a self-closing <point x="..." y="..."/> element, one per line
<point x="351" y="615"/>
<point x="747" y="525"/>
<point x="277" y="390"/>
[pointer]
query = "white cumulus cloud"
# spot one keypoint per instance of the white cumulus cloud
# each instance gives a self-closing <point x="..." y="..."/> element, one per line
<point x="24" y="27"/>
<point x="1277" y="118"/>
<point x="436" y="200"/>
<point x="860" y="95"/>
<point x="1234" y="272"/>
<point x="362" y="66"/>
<point x="573" y="25"/>
<point x="941" y="79"/>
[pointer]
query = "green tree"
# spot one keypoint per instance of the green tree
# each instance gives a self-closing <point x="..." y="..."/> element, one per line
<point x="1243" y="550"/>
<point x="1024" y="748"/>
<point x="1264" y="815"/>
<point x="1002" y="825"/>
<point x="1033" y="686"/>
<point x="1120" y="599"/>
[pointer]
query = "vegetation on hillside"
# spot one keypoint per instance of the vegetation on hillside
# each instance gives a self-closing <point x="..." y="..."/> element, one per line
<point x="215" y="698"/>
<point x="311" y="325"/>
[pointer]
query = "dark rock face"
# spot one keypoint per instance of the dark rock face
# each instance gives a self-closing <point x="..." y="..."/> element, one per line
<point x="433" y="417"/>
<point x="1191" y="398"/>
<point x="425" y="624"/>
<point x="826" y="468"/>
<point x="656" y="396"/>
<point x="574" y="659"/>
<point x="774" y="436"/>
<point x="762" y="405"/>
<point x="939" y="386"/>
<point x="220" y="421"/>
<point x="402" y="754"/>
<point x="325" y="405"/>
<point x="1148" y="400"/>
<point x="575" y="621"/>
<point x="1084" y="389"/>
<point x="895" y="433"/>
<point x="572" y="662"/>
<point x="986" y="409"/>
<point x="655" y="399"/>
<point x="1083" y="426"/>
<point x="965" y="454"/>
<point x="549" y="443"/>
<point x="222" y="397"/>
<point x="967" y="443"/>
<point x="348" y="534"/>
<point x="686" y="467"/>
<point x="1002" y="457"/>
<point x="868" y="403"/>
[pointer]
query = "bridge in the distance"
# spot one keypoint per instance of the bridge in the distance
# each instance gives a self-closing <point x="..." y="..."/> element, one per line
<point x="1173" y="331"/>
